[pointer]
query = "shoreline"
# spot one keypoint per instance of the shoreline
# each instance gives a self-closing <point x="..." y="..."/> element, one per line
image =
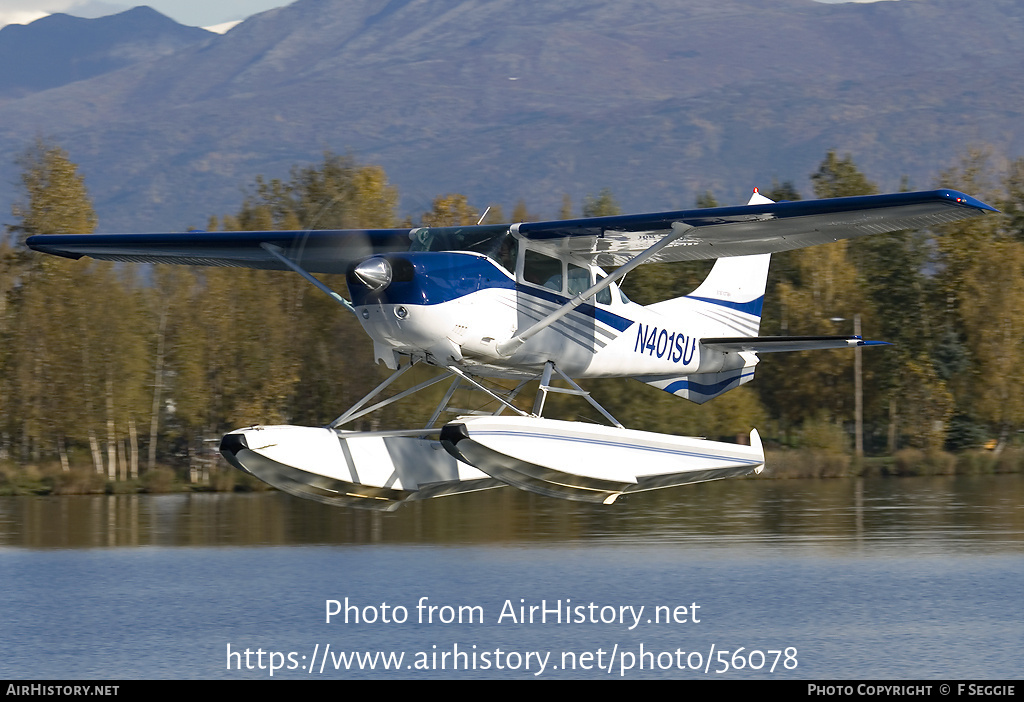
<point x="51" y="479"/>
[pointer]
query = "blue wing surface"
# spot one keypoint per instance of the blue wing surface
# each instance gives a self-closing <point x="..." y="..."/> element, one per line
<point x="752" y="229"/>
<point x="607" y="241"/>
<point x="318" y="251"/>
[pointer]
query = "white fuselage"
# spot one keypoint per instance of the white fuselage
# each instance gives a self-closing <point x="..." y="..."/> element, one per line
<point x="610" y="337"/>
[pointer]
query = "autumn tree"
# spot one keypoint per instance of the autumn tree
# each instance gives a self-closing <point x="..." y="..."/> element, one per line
<point x="520" y="213"/>
<point x="56" y="200"/>
<point x="449" y="211"/>
<point x="977" y="301"/>
<point x="565" y="211"/>
<point x="815" y="291"/>
<point x="39" y="291"/>
<point x="73" y="333"/>
<point x="338" y="193"/>
<point x="317" y="362"/>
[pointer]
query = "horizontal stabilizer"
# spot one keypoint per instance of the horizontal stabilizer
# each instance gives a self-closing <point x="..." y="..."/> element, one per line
<point x="776" y="344"/>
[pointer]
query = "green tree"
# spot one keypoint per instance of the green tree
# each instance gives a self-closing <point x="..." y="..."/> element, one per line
<point x="1012" y="205"/>
<point x="840" y="177"/>
<point x="909" y="396"/>
<point x="784" y="191"/>
<point x="706" y="199"/>
<point x="601" y="205"/>
<point x="882" y="279"/>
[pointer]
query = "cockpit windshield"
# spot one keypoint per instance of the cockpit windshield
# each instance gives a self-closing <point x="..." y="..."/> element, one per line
<point x="493" y="241"/>
<point x="480" y="239"/>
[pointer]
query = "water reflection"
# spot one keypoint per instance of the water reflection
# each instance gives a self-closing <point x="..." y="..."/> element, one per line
<point x="944" y="513"/>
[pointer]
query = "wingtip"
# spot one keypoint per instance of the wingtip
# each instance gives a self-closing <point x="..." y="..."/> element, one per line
<point x="967" y="200"/>
<point x="43" y="243"/>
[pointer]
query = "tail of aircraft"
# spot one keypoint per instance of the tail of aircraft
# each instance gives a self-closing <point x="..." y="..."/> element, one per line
<point x="727" y="304"/>
<point x="730" y="299"/>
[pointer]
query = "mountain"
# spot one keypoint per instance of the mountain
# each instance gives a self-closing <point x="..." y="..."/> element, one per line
<point x="657" y="100"/>
<point x="61" y="49"/>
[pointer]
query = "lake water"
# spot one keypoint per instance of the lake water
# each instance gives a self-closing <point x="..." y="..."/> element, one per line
<point x="877" y="579"/>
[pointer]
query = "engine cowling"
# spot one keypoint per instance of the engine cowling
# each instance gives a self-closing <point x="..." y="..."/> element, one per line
<point x="430" y="303"/>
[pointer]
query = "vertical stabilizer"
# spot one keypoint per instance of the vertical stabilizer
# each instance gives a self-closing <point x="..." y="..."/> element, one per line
<point x="733" y="294"/>
<point x="727" y="304"/>
<point x="731" y="297"/>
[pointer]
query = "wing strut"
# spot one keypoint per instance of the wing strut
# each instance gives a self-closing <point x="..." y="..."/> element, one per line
<point x="276" y="252"/>
<point x="510" y="346"/>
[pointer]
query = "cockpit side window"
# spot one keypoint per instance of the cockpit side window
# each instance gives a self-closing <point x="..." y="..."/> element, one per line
<point x="542" y="270"/>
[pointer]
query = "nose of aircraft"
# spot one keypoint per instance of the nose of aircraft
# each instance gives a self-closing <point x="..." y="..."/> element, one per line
<point x="375" y="273"/>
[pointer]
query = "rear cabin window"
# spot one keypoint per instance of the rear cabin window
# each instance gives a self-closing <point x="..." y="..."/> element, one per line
<point x="605" y="296"/>
<point x="579" y="279"/>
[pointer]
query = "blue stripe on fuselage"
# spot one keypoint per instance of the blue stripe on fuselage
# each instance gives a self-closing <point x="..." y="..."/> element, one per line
<point x="753" y="307"/>
<point x="445" y="276"/>
<point x="705" y="388"/>
<point x="612" y="320"/>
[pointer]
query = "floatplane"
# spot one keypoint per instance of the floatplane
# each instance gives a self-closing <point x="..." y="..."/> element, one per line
<point x="532" y="301"/>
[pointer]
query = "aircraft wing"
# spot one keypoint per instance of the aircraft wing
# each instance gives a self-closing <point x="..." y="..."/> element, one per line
<point x="608" y="241"/>
<point x="750" y="229"/>
<point x="317" y="251"/>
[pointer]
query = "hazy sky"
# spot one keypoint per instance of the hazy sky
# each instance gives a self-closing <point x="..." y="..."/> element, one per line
<point x="196" y="13"/>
